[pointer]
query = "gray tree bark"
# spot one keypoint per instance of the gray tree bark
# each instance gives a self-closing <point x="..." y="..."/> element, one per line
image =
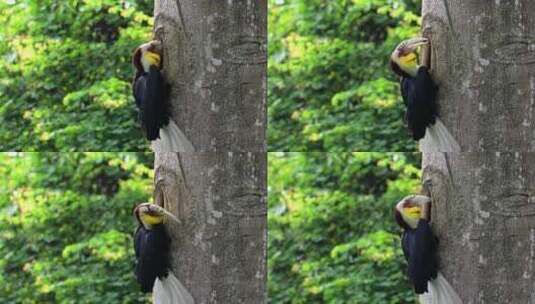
<point x="219" y="248"/>
<point x="483" y="58"/>
<point x="483" y="214"/>
<point x="215" y="60"/>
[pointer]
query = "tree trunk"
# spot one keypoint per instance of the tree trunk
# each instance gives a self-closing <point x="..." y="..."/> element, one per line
<point x="215" y="60"/>
<point x="484" y="62"/>
<point x="483" y="58"/>
<point x="219" y="248"/>
<point x="482" y="213"/>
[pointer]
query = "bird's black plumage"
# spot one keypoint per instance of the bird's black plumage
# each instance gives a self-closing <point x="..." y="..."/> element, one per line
<point x="420" y="249"/>
<point x="150" y="92"/>
<point x="419" y="95"/>
<point x="152" y="255"/>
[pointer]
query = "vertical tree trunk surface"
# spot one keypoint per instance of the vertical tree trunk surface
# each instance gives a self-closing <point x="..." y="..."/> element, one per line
<point x="483" y="214"/>
<point x="219" y="249"/>
<point x="215" y="60"/>
<point x="483" y="58"/>
<point x="484" y="62"/>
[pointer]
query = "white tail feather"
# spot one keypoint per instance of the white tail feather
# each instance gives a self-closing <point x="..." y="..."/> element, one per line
<point x="170" y="291"/>
<point x="440" y="292"/>
<point x="172" y="139"/>
<point x="438" y="139"/>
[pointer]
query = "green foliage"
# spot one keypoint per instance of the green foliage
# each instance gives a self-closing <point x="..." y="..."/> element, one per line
<point x="332" y="237"/>
<point x="330" y="88"/>
<point x="65" y="84"/>
<point x="67" y="227"/>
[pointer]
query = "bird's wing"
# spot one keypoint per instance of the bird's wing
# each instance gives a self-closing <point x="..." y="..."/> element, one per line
<point x="137" y="241"/>
<point x="152" y="255"/>
<point x="421" y="103"/>
<point x="407" y="90"/>
<point x="145" y="271"/>
<point x="405" y="245"/>
<point x="427" y="91"/>
<point x="422" y="261"/>
<point x="160" y="240"/>
<point x="140" y="86"/>
<point x="415" y="115"/>
<point x="155" y="112"/>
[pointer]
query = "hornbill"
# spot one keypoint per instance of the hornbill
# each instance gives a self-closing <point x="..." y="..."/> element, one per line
<point x="420" y="246"/>
<point x="150" y="89"/>
<point x="151" y="245"/>
<point x="151" y="95"/>
<point x="417" y="87"/>
<point x="418" y="242"/>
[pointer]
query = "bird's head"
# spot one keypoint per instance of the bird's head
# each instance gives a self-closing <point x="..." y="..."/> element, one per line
<point x="404" y="59"/>
<point x="411" y="209"/>
<point x="148" y="54"/>
<point x="149" y="214"/>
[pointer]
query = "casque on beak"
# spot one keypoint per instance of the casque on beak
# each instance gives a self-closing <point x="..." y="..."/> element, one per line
<point x="156" y="47"/>
<point x="410" y="45"/>
<point x="404" y="59"/>
<point x="148" y="208"/>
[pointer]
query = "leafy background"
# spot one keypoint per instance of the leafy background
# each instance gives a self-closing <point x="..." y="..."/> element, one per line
<point x="66" y="73"/>
<point x="65" y="219"/>
<point x="329" y="84"/>
<point x="332" y="236"/>
<point x="66" y="226"/>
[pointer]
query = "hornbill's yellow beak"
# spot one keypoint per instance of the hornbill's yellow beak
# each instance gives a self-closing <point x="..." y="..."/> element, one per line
<point x="411" y="209"/>
<point x="149" y="214"/>
<point x="152" y="214"/>
<point x="404" y="59"/>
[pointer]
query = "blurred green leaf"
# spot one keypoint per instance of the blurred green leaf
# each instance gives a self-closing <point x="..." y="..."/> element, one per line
<point x="332" y="236"/>
<point x="66" y="74"/>
<point x="329" y="85"/>
<point x="67" y="227"/>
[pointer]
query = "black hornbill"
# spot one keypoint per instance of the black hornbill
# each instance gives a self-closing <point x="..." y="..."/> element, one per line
<point x="417" y="87"/>
<point x="418" y="242"/>
<point x="151" y="244"/>
<point x="150" y="89"/>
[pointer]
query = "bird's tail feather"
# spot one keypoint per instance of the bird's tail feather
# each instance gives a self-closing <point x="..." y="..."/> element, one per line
<point x="440" y="292"/>
<point x="170" y="291"/>
<point x="172" y="139"/>
<point x="438" y="139"/>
